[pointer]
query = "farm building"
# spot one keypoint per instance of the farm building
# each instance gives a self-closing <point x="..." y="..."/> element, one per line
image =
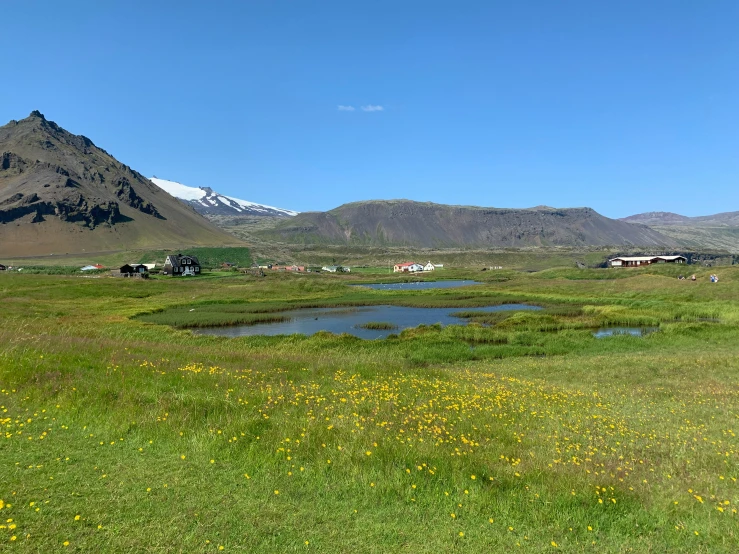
<point x="3" y="268"/>
<point x="407" y="267"/>
<point x="640" y="261"/>
<point x="133" y="270"/>
<point x="181" y="265"/>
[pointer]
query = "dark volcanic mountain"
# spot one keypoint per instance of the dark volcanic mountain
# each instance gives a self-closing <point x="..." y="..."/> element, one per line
<point x="60" y="193"/>
<point x="404" y="222"/>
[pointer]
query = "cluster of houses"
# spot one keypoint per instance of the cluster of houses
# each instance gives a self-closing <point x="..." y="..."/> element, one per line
<point x="275" y="267"/>
<point x="336" y="269"/>
<point x="182" y="265"/>
<point x="640" y="261"/>
<point x="413" y="267"/>
<point x="304" y="269"/>
<point x="176" y="265"/>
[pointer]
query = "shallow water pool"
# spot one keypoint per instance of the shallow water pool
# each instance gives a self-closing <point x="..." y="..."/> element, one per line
<point x="349" y="320"/>
<point x="421" y="285"/>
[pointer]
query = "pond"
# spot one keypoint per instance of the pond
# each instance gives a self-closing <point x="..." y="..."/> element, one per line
<point x="420" y="285"/>
<point x="350" y="320"/>
<point x="615" y="331"/>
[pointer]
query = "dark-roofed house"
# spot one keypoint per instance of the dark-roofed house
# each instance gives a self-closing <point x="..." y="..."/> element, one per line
<point x="131" y="270"/>
<point x="179" y="264"/>
<point x="2" y="267"/>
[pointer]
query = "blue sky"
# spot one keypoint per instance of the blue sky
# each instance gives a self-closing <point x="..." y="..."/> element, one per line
<point x="624" y="106"/>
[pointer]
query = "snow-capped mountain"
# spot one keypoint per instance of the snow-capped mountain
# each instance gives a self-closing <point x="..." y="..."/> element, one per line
<point x="208" y="202"/>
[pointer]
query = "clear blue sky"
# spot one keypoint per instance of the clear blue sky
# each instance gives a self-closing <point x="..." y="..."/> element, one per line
<point x="624" y="106"/>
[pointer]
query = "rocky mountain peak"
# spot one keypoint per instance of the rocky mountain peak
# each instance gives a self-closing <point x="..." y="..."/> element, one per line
<point x="61" y="186"/>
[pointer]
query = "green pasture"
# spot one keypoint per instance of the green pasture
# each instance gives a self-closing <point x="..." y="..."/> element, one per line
<point x="122" y="431"/>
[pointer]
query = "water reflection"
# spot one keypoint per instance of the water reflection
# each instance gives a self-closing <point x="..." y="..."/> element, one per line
<point x="633" y="331"/>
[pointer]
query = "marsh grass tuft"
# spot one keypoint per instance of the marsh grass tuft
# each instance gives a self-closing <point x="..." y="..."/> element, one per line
<point x="378" y="325"/>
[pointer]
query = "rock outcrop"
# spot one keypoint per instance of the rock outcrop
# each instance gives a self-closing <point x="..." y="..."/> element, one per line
<point x="63" y="188"/>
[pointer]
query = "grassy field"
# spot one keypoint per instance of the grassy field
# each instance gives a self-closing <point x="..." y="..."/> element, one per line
<point x="209" y="257"/>
<point x="519" y="431"/>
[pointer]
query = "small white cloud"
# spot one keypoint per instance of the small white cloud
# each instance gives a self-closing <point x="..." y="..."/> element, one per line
<point x="345" y="108"/>
<point x="371" y="108"/>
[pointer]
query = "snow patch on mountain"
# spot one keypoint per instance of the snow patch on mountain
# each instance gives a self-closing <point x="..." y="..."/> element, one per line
<point x="208" y="202"/>
<point x="178" y="190"/>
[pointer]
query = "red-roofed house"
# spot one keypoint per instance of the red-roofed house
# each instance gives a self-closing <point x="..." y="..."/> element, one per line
<point x="407" y="267"/>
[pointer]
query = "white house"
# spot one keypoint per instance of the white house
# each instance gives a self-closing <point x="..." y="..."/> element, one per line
<point x="636" y="261"/>
<point x="429" y="267"/>
<point x="407" y="267"/>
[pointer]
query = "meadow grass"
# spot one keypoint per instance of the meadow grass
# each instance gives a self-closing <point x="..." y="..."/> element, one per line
<point x="121" y="434"/>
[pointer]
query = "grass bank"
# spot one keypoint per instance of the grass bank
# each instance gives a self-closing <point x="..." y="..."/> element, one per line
<point x="120" y="435"/>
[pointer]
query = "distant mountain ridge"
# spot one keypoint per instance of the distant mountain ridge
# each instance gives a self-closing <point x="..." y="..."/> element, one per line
<point x="724" y="219"/>
<point x="424" y="224"/>
<point x="206" y="201"/>
<point x="59" y="193"/>
<point x="718" y="231"/>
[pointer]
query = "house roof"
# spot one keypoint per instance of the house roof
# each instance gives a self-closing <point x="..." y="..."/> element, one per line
<point x="634" y="258"/>
<point x="645" y="258"/>
<point x="176" y="259"/>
